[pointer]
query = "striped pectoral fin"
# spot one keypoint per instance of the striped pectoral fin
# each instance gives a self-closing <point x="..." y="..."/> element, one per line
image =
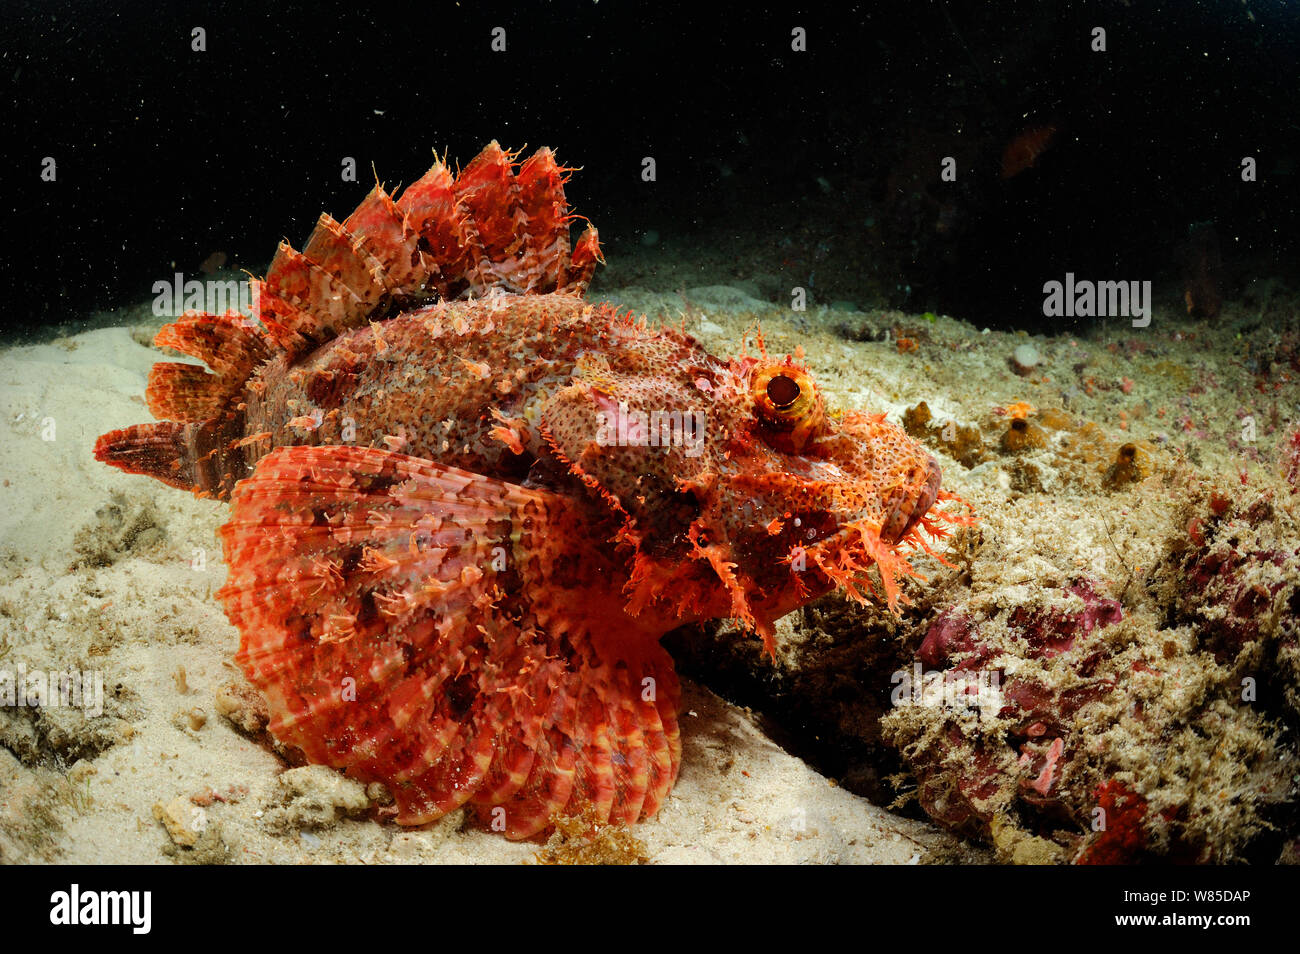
<point x="608" y="751"/>
<point x="385" y="605"/>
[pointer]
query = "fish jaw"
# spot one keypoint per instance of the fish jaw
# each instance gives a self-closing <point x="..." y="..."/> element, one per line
<point x="783" y="530"/>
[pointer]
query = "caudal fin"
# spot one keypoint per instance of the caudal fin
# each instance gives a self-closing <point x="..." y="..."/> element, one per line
<point x="202" y="456"/>
<point x="156" y="450"/>
<point x="200" y="447"/>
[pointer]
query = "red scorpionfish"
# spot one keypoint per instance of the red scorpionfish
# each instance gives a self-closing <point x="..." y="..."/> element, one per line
<point x="466" y="505"/>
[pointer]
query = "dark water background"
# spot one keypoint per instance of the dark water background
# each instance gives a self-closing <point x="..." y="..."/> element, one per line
<point x="168" y="155"/>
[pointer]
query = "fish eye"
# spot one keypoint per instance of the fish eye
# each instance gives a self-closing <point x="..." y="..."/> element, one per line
<point x="788" y="405"/>
<point x="784" y="395"/>
<point x="783" y="390"/>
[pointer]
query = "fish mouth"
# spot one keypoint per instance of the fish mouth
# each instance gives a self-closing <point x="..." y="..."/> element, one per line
<point x="905" y="515"/>
<point x="908" y="511"/>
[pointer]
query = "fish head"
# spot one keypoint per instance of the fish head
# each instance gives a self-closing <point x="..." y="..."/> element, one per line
<point x="809" y="499"/>
<point x="744" y="494"/>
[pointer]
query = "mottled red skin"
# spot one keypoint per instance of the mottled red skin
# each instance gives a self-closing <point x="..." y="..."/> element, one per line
<point x="446" y="576"/>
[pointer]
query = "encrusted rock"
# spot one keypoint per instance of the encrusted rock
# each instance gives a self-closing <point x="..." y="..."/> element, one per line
<point x="315" y="797"/>
<point x="243" y="707"/>
<point x="182" y="819"/>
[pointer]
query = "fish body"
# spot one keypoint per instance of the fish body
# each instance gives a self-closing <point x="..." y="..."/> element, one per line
<point x="466" y="504"/>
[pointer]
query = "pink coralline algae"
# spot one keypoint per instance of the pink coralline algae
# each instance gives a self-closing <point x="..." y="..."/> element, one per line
<point x="1048" y="632"/>
<point x="1225" y="587"/>
<point x="966" y="778"/>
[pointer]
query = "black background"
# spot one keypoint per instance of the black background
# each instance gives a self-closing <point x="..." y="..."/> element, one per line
<point x="166" y="155"/>
<point x="908" y="903"/>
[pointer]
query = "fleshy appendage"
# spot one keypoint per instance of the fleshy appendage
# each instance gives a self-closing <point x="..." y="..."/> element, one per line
<point x="846" y="557"/>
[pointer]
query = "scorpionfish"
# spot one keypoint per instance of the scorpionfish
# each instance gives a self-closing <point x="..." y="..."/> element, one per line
<point x="466" y="504"/>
